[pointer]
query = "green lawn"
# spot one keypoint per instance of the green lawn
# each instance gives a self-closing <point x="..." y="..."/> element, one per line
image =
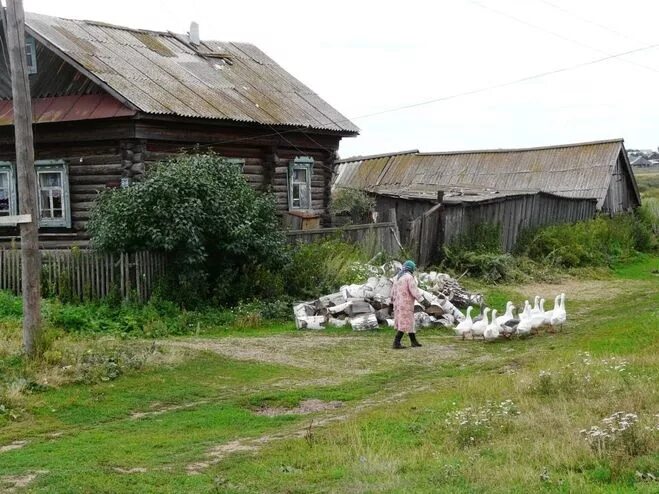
<point x="208" y="413"/>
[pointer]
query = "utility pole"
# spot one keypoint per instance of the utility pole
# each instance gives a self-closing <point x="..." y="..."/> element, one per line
<point x="27" y="179"/>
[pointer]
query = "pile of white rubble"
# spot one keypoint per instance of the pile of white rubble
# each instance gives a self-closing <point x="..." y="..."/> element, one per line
<point x="369" y="305"/>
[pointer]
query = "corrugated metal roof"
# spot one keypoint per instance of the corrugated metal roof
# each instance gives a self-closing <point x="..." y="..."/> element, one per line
<point x="161" y="73"/>
<point x="571" y="170"/>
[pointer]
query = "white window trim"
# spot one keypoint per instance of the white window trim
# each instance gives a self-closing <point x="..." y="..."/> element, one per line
<point x="299" y="163"/>
<point x="45" y="166"/>
<point x="31" y="44"/>
<point x="7" y="167"/>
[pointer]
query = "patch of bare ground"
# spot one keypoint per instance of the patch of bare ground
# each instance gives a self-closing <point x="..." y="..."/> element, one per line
<point x="129" y="470"/>
<point x="351" y="355"/>
<point x="171" y="408"/>
<point x="10" y="483"/>
<point x="305" y="407"/>
<point x="12" y="446"/>
<point x="577" y="289"/>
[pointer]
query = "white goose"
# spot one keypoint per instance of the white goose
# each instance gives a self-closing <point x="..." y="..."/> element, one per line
<point x="559" y="316"/>
<point x="538" y="318"/>
<point x="464" y="327"/>
<point x="478" y="328"/>
<point x="524" y="326"/>
<point x="536" y="308"/>
<point x="492" y="330"/>
<point x="550" y="313"/>
<point x="503" y="319"/>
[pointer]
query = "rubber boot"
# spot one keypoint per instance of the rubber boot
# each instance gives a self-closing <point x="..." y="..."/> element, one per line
<point x="413" y="340"/>
<point x="399" y="336"/>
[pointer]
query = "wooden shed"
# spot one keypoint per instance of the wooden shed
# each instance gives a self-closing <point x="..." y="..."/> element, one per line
<point x="440" y="196"/>
<point x="109" y="100"/>
<point x="594" y="170"/>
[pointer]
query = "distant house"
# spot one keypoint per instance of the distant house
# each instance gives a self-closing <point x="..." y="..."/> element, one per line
<point x="109" y="100"/>
<point x="641" y="161"/>
<point x="449" y="192"/>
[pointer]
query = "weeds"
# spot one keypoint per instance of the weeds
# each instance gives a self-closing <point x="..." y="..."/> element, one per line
<point x="476" y="425"/>
<point x="621" y="437"/>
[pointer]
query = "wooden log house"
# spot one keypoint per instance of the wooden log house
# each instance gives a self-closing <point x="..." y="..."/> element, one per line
<point x="108" y="101"/>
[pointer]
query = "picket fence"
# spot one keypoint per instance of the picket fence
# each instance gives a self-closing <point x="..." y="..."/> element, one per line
<point x="82" y="275"/>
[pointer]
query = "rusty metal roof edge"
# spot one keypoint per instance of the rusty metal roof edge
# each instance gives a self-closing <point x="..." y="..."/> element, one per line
<point x="353" y="159"/>
<point x="618" y="140"/>
<point x="78" y="66"/>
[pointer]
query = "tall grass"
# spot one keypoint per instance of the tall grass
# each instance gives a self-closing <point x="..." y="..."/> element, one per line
<point x="322" y="267"/>
<point x="601" y="241"/>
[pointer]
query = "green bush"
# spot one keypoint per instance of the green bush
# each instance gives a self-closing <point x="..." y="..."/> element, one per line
<point x="221" y="234"/>
<point x="10" y="305"/>
<point x="478" y="252"/>
<point x="322" y="267"/>
<point x="602" y="241"/>
<point x="354" y="202"/>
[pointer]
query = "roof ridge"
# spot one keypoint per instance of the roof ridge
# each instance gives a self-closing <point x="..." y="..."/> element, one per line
<point x="107" y="24"/>
<point x="375" y="156"/>
<point x="536" y="148"/>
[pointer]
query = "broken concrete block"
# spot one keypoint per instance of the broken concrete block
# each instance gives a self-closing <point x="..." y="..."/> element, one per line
<point x="364" y="322"/>
<point x="358" y="307"/>
<point x="339" y="323"/>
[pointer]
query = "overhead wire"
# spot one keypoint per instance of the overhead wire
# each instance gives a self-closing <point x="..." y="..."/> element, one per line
<point x="461" y="94"/>
<point x="591" y="22"/>
<point x="557" y="34"/>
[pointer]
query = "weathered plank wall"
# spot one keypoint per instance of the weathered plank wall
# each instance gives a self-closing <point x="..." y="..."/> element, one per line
<point x="407" y="211"/>
<point x="620" y="196"/>
<point x="374" y="237"/>
<point x="514" y="215"/>
<point x="87" y="275"/>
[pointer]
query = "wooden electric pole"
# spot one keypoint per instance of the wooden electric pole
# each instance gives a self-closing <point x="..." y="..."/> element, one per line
<point x="27" y="179"/>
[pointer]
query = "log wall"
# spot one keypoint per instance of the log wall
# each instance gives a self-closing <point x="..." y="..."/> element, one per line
<point x="100" y="153"/>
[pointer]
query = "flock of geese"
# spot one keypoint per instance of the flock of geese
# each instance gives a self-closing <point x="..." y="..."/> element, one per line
<point x="507" y="325"/>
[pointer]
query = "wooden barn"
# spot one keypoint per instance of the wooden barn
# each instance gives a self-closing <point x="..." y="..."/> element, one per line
<point x="438" y="196"/>
<point x="109" y="100"/>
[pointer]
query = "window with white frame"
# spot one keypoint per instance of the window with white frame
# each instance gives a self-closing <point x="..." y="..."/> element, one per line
<point x="53" y="194"/>
<point x="299" y="183"/>
<point x="31" y="54"/>
<point x="8" y="205"/>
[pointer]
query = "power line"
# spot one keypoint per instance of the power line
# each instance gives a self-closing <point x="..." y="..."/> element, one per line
<point x="589" y="21"/>
<point x="558" y="35"/>
<point x="513" y="82"/>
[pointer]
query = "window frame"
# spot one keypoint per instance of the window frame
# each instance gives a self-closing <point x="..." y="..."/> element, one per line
<point x="8" y="168"/>
<point x="300" y="163"/>
<point x="239" y="162"/>
<point x="31" y="47"/>
<point x="50" y="166"/>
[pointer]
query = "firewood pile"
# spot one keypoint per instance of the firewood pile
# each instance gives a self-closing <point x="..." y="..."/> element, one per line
<point x="369" y="305"/>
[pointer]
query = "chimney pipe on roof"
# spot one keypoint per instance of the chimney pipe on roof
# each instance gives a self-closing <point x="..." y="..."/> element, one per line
<point x="194" y="33"/>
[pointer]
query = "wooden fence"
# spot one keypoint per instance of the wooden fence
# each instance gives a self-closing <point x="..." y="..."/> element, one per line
<point x="86" y="274"/>
<point x="374" y="237"/>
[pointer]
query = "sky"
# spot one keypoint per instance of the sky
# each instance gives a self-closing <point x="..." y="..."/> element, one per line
<point x="458" y="60"/>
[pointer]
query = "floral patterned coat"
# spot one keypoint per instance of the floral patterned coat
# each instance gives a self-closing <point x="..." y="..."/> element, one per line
<point x="403" y="294"/>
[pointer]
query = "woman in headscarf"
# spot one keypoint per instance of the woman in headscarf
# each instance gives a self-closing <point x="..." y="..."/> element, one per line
<point x="403" y="294"/>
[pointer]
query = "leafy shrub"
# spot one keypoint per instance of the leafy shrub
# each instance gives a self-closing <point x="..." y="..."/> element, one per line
<point x="322" y="267"/>
<point x="354" y="202"/>
<point x="221" y="234"/>
<point x="478" y="252"/>
<point x="10" y="305"/>
<point x="601" y="241"/>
